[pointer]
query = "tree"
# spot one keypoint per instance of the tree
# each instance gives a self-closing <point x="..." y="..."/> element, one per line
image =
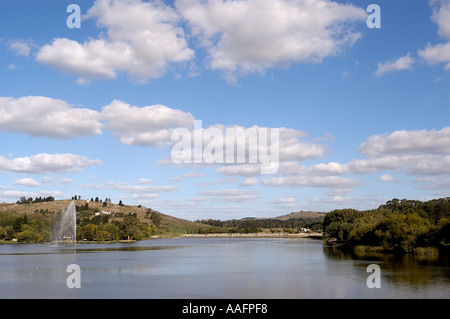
<point x="402" y="230"/>
<point x="3" y="233"/>
<point x="88" y="232"/>
<point x="29" y="234"/>
<point x="22" y="220"/>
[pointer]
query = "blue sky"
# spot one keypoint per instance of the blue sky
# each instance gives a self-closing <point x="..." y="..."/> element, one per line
<point x="362" y="113"/>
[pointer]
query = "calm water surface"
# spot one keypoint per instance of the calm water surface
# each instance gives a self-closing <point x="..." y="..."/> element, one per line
<point x="215" y="268"/>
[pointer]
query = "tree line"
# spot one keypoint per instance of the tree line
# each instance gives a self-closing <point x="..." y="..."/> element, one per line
<point x="30" y="200"/>
<point x="398" y="224"/>
<point x="258" y="225"/>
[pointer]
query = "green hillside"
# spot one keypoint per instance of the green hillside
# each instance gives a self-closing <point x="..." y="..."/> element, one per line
<point x="35" y="221"/>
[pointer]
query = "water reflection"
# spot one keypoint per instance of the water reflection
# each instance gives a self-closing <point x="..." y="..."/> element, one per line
<point x="125" y="248"/>
<point x="421" y="270"/>
<point x="217" y="268"/>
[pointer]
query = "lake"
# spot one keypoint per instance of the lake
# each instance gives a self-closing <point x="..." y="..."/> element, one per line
<point x="248" y="268"/>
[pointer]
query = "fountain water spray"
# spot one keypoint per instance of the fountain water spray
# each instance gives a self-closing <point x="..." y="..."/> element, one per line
<point x="66" y="229"/>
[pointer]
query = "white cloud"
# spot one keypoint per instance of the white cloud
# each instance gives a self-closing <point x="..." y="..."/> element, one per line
<point x="404" y="142"/>
<point x="44" y="116"/>
<point x="285" y="200"/>
<point x="193" y="174"/>
<point x="411" y="164"/>
<point x="143" y="181"/>
<point x="256" y="142"/>
<point x="439" y="53"/>
<point x="12" y="194"/>
<point x="240" y="170"/>
<point x="431" y="165"/>
<point x="435" y="183"/>
<point x="47" y="163"/>
<point x="251" y="35"/>
<point x="145" y="126"/>
<point x="66" y="181"/>
<point x="20" y="47"/>
<point x="339" y="192"/>
<point x="231" y="195"/>
<point x="383" y="163"/>
<point x="336" y="202"/>
<point x="27" y="181"/>
<point x="90" y="60"/>
<point x="299" y="181"/>
<point x="402" y="63"/>
<point x="249" y="181"/>
<point x="141" y="39"/>
<point x="441" y="16"/>
<point x="386" y="178"/>
<point x="137" y="192"/>
<point x="321" y="169"/>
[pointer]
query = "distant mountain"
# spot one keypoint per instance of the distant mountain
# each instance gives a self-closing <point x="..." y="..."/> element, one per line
<point x="301" y="215"/>
<point x="294" y="215"/>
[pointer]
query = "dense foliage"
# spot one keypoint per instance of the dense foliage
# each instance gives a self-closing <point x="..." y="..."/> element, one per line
<point x="402" y="224"/>
<point x="258" y="225"/>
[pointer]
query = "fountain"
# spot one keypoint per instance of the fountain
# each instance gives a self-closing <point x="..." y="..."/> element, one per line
<point x="66" y="229"/>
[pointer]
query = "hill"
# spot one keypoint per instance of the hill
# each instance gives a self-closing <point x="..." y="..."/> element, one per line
<point x="33" y="222"/>
<point x="301" y="215"/>
<point x="292" y="223"/>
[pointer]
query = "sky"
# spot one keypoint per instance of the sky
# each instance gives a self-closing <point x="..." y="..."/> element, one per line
<point x="358" y="101"/>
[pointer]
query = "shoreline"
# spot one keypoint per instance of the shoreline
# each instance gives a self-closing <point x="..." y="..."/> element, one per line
<point x="254" y="235"/>
<point x="211" y="235"/>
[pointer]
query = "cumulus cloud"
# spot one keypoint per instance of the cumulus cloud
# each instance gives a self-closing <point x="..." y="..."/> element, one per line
<point x="137" y="192"/>
<point x="252" y="35"/>
<point x="141" y="39"/>
<point x="247" y="170"/>
<point x="402" y="63"/>
<point x="403" y="142"/>
<point x="285" y="200"/>
<point x="44" y="163"/>
<point x="44" y="116"/>
<point x="244" y="149"/>
<point x="231" y="195"/>
<point x="300" y="181"/>
<point x="418" y="152"/>
<point x="441" y="16"/>
<point x="145" y="126"/>
<point x="439" y="53"/>
<point x="249" y="181"/>
<point x="436" y="54"/>
<point x="386" y="178"/>
<point x="27" y="181"/>
<point x="321" y="169"/>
